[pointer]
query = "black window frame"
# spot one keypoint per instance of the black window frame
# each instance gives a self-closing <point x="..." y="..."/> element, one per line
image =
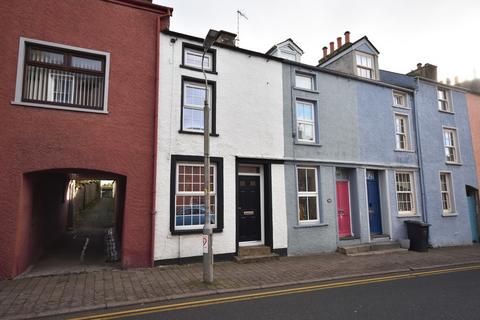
<point x="218" y="161"/>
<point x="213" y="52"/>
<point x="66" y="66"/>
<point x="213" y="105"/>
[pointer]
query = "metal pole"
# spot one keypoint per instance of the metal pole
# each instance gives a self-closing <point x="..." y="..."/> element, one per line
<point x="207" y="227"/>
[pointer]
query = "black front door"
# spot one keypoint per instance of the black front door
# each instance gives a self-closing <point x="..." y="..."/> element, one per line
<point x="249" y="208"/>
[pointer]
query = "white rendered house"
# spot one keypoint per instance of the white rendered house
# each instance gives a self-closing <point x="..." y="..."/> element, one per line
<point x="247" y="148"/>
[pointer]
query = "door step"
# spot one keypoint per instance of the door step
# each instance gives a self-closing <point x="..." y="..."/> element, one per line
<point x="371" y="248"/>
<point x="255" y="254"/>
<point x="379" y="237"/>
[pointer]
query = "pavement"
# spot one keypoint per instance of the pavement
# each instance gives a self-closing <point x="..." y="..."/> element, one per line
<point x="45" y="296"/>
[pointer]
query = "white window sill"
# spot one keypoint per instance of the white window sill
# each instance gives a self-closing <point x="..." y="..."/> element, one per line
<point x="453" y="163"/>
<point x="446" y="111"/>
<point x="306" y="90"/>
<point x="306" y="143"/>
<point x="310" y="225"/>
<point x="407" y="215"/>
<point x="50" y="106"/>
<point x="446" y="215"/>
<point x="406" y="150"/>
<point x="401" y="107"/>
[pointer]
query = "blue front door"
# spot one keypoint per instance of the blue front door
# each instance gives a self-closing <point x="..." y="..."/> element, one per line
<point x="374" y="212"/>
<point x="472" y="212"/>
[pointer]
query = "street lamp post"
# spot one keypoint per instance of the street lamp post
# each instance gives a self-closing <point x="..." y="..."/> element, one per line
<point x="207" y="227"/>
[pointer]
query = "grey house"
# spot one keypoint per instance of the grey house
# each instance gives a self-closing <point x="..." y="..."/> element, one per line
<point x="351" y="162"/>
<point x="446" y="155"/>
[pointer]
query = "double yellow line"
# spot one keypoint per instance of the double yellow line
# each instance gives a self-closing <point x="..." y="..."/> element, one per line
<point x="274" y="293"/>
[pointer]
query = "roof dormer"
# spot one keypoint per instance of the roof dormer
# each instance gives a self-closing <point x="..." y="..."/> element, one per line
<point x="287" y="50"/>
<point x="359" y="58"/>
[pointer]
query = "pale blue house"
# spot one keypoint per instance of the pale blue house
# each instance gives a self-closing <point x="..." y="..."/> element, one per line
<point x="366" y="150"/>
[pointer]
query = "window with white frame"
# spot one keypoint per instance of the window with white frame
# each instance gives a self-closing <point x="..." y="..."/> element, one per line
<point x="307" y="194"/>
<point x="450" y="143"/>
<point x="193" y="102"/>
<point x="193" y="58"/>
<point x="444" y="103"/>
<point x="402" y="140"/>
<point x="189" y="196"/>
<point x="399" y="99"/>
<point x="405" y="193"/>
<point x="304" y="81"/>
<point x="60" y="76"/>
<point x="305" y="113"/>
<point x="446" y="190"/>
<point x="365" y="65"/>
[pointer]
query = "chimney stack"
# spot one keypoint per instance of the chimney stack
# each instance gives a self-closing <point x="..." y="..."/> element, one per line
<point x="325" y="53"/>
<point x="339" y="42"/>
<point x="347" y="37"/>
<point x="456" y="80"/>
<point x="332" y="47"/>
<point x="428" y="71"/>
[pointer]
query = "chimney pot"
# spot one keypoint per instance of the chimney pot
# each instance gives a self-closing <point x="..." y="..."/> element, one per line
<point x="332" y="47"/>
<point x="325" y="53"/>
<point x="347" y="37"/>
<point x="339" y="42"/>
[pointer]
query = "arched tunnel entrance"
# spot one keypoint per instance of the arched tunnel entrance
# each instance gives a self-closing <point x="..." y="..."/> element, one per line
<point x="76" y="220"/>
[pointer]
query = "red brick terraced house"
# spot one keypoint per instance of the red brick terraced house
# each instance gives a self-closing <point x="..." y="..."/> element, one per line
<point x="78" y="100"/>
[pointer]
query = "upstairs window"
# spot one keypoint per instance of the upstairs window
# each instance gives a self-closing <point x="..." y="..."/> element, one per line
<point x="192" y="58"/>
<point x="450" y="143"/>
<point x="402" y="140"/>
<point x="304" y="81"/>
<point x="62" y="76"/>
<point x="399" y="99"/>
<point x="444" y="103"/>
<point x="305" y="113"/>
<point x="365" y="65"/>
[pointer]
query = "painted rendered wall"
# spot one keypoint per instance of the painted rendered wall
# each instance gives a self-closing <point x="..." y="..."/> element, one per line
<point x="305" y="239"/>
<point x="34" y="139"/>
<point x="249" y="124"/>
<point x="451" y="230"/>
<point x="356" y="130"/>
<point x="345" y="64"/>
<point x="280" y="231"/>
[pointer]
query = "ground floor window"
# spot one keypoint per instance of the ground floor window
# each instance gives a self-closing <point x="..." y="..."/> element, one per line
<point x="188" y="202"/>
<point x="189" y="195"/>
<point x="405" y="193"/>
<point x="307" y="191"/>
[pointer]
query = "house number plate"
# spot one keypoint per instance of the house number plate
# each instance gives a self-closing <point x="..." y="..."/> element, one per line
<point x="248" y="213"/>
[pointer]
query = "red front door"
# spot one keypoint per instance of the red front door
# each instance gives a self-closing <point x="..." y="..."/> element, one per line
<point x="343" y="209"/>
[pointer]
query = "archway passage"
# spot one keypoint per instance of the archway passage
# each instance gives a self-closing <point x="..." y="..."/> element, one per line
<point x="76" y="221"/>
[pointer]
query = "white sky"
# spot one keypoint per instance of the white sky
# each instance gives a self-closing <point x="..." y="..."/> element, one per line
<point x="440" y="32"/>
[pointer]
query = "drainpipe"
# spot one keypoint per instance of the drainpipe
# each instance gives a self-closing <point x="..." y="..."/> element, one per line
<point x="155" y="133"/>
<point x="419" y="153"/>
